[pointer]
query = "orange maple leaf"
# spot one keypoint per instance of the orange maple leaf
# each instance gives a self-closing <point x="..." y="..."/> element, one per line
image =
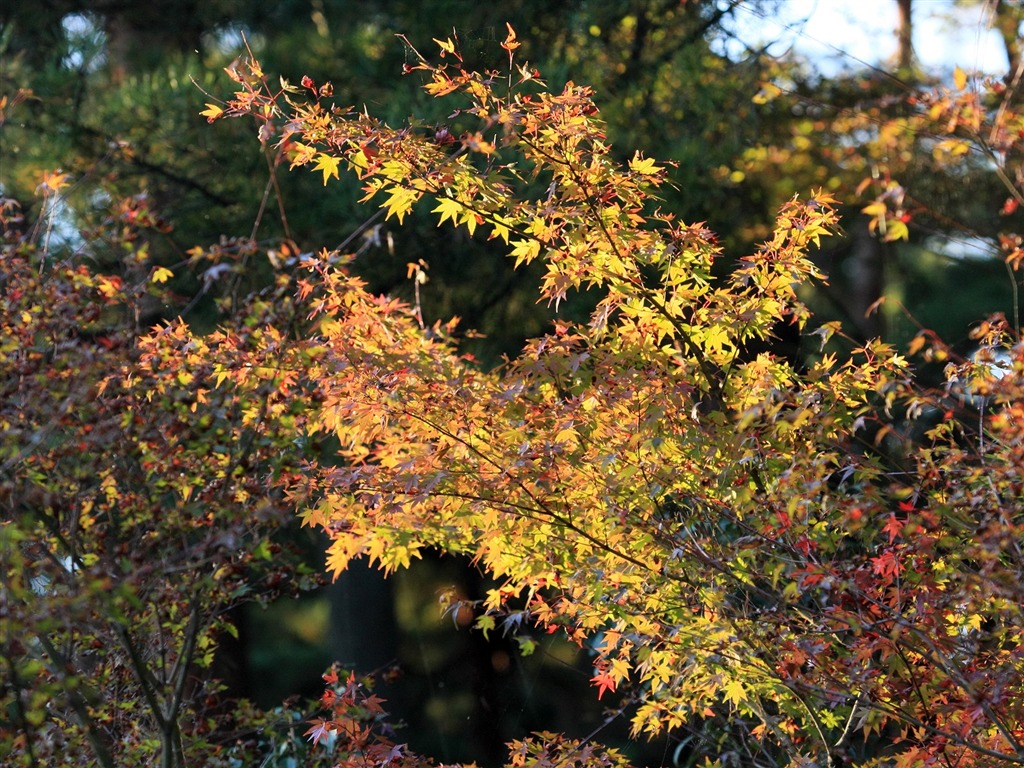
<point x="604" y="682"/>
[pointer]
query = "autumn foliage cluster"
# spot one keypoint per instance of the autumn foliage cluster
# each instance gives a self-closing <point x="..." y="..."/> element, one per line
<point x="800" y="561"/>
<point x="137" y="507"/>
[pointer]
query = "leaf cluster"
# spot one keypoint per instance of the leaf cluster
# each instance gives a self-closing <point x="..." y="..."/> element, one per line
<point x="138" y="510"/>
<point x="742" y="539"/>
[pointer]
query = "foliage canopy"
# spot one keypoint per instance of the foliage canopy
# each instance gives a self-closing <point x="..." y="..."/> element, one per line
<point x="814" y="558"/>
<point x="800" y="561"/>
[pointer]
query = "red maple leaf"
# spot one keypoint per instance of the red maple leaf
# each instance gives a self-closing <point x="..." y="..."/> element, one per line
<point x="604" y="682"/>
<point x="894" y="527"/>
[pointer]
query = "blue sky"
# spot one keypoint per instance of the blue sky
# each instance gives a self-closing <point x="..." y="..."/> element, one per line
<point x="944" y="34"/>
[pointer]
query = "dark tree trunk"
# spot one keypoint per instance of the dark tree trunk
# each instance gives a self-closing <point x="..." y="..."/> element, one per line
<point x="140" y="39"/>
<point x="864" y="280"/>
<point x="1008" y="16"/>
<point x="905" y="36"/>
<point x="363" y="631"/>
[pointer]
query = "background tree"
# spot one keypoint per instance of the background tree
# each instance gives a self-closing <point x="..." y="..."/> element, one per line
<point x="137" y="512"/>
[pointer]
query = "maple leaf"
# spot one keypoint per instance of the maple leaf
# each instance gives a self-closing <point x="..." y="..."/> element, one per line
<point x="886" y="565"/>
<point x="373" y="705"/>
<point x="604" y="682"/>
<point x="478" y="143"/>
<point x="399" y="202"/>
<point x="449" y="209"/>
<point x="644" y="166"/>
<point x="896" y="230"/>
<point x="959" y="78"/>
<point x="875" y="210"/>
<point x="525" y="251"/>
<point x="109" y="286"/>
<point x="446" y="46"/>
<point x="161" y="275"/>
<point x="511" y="43"/>
<point x="54" y="181"/>
<point x="893" y="527"/>
<point x="327" y="164"/>
<point x="769" y="92"/>
<point x="485" y="623"/>
<point x="734" y="692"/>
<point x="212" y="112"/>
<point x="319" y="730"/>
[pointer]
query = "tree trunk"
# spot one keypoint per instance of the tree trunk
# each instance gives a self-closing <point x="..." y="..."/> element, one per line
<point x="865" y="280"/>
<point x="363" y="630"/>
<point x="1007" y="22"/>
<point x="905" y="36"/>
<point x="139" y="40"/>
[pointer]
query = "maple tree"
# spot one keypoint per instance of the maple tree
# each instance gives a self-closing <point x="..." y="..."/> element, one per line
<point x="786" y="561"/>
<point x="137" y="510"/>
<point x="798" y="562"/>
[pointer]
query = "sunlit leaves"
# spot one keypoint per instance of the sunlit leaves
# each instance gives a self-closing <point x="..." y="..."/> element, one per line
<point x="53" y="182"/>
<point x="644" y="166"/>
<point x="125" y="466"/>
<point x="730" y="530"/>
<point x="959" y="78"/>
<point x="448" y="209"/>
<point x="161" y="275"/>
<point x="604" y="682"/>
<point x="212" y="112"/>
<point x="327" y="165"/>
<point x="768" y="92"/>
<point x="399" y="202"/>
<point x="734" y="692"/>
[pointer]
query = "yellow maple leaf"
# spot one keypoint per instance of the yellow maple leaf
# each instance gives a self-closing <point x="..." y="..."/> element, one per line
<point x="161" y="275"/>
<point x="769" y="92"/>
<point x="875" y="209"/>
<point x="896" y="230"/>
<point x="642" y="165"/>
<point x="399" y="202"/>
<point x="212" y="112"/>
<point x="328" y="165"/>
<point x="734" y="692"/>
<point x="110" y="287"/>
<point x="959" y="78"/>
<point x="54" y="181"/>
<point x="525" y="251"/>
<point x="449" y="209"/>
<point x="447" y="46"/>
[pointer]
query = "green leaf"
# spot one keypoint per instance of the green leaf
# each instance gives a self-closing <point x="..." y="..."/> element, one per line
<point x="485" y="623"/>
